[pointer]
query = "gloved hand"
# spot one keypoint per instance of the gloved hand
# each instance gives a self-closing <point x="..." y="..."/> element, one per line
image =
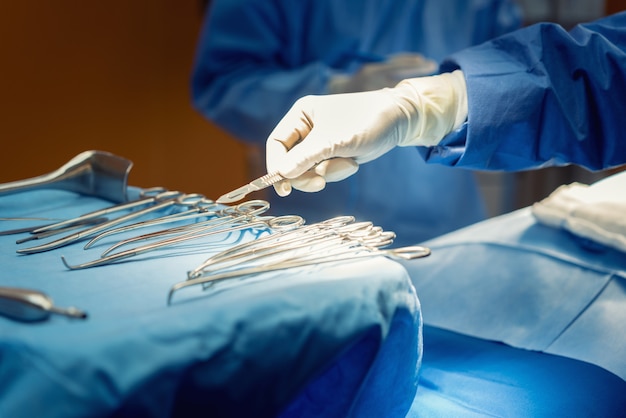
<point x="378" y="75"/>
<point x="325" y="138"/>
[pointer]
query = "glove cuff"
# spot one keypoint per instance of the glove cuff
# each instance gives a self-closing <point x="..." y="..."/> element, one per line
<point x="434" y="107"/>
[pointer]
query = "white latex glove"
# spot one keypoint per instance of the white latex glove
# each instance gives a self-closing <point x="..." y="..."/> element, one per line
<point x="378" y="75"/>
<point x="324" y="138"/>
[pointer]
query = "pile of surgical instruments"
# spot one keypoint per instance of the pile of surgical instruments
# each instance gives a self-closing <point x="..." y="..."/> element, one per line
<point x="280" y="242"/>
<point x="333" y="240"/>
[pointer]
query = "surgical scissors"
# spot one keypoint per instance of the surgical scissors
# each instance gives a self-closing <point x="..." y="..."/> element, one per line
<point x="278" y="223"/>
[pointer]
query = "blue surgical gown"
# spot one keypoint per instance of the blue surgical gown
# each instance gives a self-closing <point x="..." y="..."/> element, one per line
<point x="542" y="96"/>
<point x="256" y="58"/>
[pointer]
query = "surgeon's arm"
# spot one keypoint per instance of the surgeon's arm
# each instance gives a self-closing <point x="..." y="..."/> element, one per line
<point x="534" y="98"/>
<point x="542" y="96"/>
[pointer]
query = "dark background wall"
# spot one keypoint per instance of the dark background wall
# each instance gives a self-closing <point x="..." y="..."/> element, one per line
<point x="110" y="75"/>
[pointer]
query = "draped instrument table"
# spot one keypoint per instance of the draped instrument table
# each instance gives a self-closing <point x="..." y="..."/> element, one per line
<point x="322" y="340"/>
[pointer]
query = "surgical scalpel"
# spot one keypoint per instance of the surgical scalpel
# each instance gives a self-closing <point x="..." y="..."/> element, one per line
<point x="258" y="184"/>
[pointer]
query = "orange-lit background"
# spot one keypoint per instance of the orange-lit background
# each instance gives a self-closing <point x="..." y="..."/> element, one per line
<point x="614" y="6"/>
<point x="110" y="75"/>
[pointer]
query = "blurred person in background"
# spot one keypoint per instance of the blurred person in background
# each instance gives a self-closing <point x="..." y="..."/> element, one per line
<point x="255" y="59"/>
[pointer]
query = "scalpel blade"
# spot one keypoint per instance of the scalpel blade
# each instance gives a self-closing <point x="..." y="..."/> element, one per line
<point x="258" y="184"/>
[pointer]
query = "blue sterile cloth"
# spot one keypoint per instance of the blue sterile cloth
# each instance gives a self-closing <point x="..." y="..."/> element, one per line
<point x="333" y="340"/>
<point x="513" y="280"/>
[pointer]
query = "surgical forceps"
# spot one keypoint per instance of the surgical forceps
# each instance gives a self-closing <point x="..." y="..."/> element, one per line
<point x="403" y="253"/>
<point x="278" y="223"/>
<point x="301" y="246"/>
<point x="69" y="227"/>
<point x="270" y="242"/>
<point x="161" y="201"/>
<point x="310" y="238"/>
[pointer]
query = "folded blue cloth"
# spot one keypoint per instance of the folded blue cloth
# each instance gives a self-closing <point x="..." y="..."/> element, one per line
<point x="514" y="280"/>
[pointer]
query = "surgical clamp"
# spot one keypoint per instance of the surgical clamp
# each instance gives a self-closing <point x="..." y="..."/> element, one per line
<point x="241" y="213"/>
<point x="281" y="222"/>
<point x="403" y="253"/>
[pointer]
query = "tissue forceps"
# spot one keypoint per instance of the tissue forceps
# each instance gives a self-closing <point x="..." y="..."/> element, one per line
<point x="403" y="253"/>
<point x="199" y="208"/>
<point x="162" y="201"/>
<point x="280" y="222"/>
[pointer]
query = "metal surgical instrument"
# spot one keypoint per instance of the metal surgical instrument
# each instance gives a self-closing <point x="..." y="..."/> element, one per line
<point x="31" y="229"/>
<point x="269" y="242"/>
<point x="69" y="227"/>
<point x="403" y="253"/>
<point x="258" y="184"/>
<point x="32" y="305"/>
<point x="199" y="209"/>
<point x="311" y="238"/>
<point x="240" y="214"/>
<point x="329" y="242"/>
<point x="93" y="173"/>
<point x="146" y="196"/>
<point x="281" y="222"/>
<point x="163" y="200"/>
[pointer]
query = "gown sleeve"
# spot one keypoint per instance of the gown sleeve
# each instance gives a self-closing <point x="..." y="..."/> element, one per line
<point x="542" y="96"/>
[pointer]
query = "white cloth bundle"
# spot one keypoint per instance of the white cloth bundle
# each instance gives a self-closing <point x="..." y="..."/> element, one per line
<point x="596" y="212"/>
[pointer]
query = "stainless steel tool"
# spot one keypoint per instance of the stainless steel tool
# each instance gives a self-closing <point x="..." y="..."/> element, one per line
<point x="93" y="173"/>
<point x="32" y="305"/>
